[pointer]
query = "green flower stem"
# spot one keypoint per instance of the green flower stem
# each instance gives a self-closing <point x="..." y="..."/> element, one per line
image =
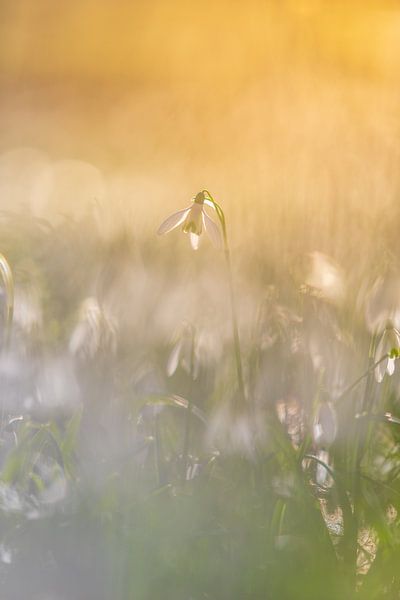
<point x="235" y="328"/>
<point x="188" y="420"/>
<point x="360" y="434"/>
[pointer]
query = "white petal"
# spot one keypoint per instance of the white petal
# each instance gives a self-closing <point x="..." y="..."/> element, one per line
<point x="173" y="359"/>
<point x="194" y="240"/>
<point x="322" y="473"/>
<point x="213" y="230"/>
<point x="173" y="221"/>
<point x="317" y="433"/>
<point x="380" y="371"/>
<point x="390" y="366"/>
<point x="193" y="222"/>
<point x="328" y="422"/>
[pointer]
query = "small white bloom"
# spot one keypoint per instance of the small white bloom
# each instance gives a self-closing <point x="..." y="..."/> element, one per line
<point x="236" y="431"/>
<point x="192" y="350"/>
<point x="325" y="425"/>
<point x="193" y="219"/>
<point x="322" y="475"/>
<point x="276" y="321"/>
<point x="390" y="340"/>
<point x="27" y="309"/>
<point x="184" y="352"/>
<point x="95" y="331"/>
<point x="56" y="385"/>
<point x="325" y="278"/>
<point x="6" y="554"/>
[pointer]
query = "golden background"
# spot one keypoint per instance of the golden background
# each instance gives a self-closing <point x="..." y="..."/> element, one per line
<point x="287" y="111"/>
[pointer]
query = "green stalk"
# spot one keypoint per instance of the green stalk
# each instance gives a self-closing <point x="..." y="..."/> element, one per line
<point x="158" y="453"/>
<point x="188" y="420"/>
<point x="235" y="328"/>
<point x="359" y="445"/>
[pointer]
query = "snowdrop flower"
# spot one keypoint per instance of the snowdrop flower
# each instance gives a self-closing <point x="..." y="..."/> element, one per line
<point x="291" y="414"/>
<point x="236" y="431"/>
<point x="325" y="278"/>
<point x="94" y="332"/>
<point x="184" y="353"/>
<point x="192" y="350"/>
<point x="193" y="219"/>
<point x="276" y="321"/>
<point x="325" y="425"/>
<point x="322" y="475"/>
<point x="27" y="309"/>
<point x="57" y="386"/>
<point x="389" y="344"/>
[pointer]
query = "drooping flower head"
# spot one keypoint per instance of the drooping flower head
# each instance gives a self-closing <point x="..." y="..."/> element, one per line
<point x="388" y="349"/>
<point x="184" y="352"/>
<point x="193" y="219"/>
<point x="325" y="279"/>
<point x="94" y="332"/>
<point x="325" y="425"/>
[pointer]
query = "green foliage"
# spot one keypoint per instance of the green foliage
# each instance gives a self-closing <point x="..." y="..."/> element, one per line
<point x="180" y="489"/>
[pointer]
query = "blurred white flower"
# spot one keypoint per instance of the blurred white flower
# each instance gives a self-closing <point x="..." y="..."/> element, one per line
<point x="6" y="554"/>
<point x="10" y="499"/>
<point x="27" y="309"/>
<point x="193" y="219"/>
<point x="94" y="332"/>
<point x="236" y="431"/>
<point x="322" y="475"/>
<point x="184" y="352"/>
<point x="325" y="277"/>
<point x="57" y="386"/>
<point x="276" y="321"/>
<point x="54" y="483"/>
<point x="291" y="414"/>
<point x="325" y="425"/>
<point x="388" y="344"/>
<point x="192" y="349"/>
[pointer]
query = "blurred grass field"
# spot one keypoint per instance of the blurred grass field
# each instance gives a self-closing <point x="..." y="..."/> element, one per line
<point x="132" y="466"/>
<point x="280" y="108"/>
